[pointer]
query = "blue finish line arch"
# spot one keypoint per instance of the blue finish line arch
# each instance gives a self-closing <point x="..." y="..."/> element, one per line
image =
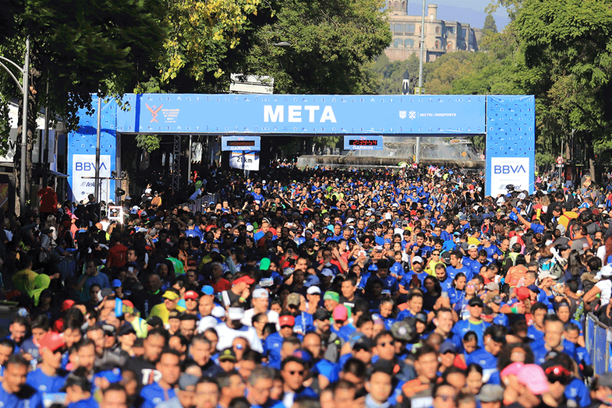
<point x="507" y="121"/>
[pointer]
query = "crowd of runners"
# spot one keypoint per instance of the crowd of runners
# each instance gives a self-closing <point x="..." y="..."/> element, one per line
<point x="310" y="288"/>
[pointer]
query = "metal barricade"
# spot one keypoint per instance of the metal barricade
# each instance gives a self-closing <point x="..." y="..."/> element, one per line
<point x="598" y="339"/>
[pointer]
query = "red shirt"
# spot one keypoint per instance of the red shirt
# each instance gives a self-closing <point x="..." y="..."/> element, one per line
<point x="222" y="285"/>
<point x="117" y="256"/>
<point x="48" y="200"/>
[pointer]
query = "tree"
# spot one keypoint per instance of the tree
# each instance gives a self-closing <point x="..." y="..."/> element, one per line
<point x="332" y="44"/>
<point x="565" y="49"/>
<point x="489" y="24"/>
<point x="78" y="47"/>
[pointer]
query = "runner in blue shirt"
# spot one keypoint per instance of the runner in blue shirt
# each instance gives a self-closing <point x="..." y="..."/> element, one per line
<point x="486" y="357"/>
<point x="14" y="392"/>
<point x="49" y="377"/>
<point x="456" y="266"/>
<point x="78" y="390"/>
<point x="474" y="322"/>
<point x="163" y="390"/>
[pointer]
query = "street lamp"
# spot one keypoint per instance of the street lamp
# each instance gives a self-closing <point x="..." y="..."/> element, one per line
<point x="24" y="120"/>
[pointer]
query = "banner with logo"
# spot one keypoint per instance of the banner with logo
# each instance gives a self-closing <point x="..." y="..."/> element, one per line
<point x="303" y="114"/>
<point x="509" y="171"/>
<point x="83" y="173"/>
<point x="244" y="160"/>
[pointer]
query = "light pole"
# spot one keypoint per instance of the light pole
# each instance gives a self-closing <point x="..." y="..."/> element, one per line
<point x="417" y="153"/>
<point x="24" y="120"/>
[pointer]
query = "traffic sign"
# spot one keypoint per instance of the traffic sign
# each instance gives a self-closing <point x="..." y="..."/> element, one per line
<point x="560" y="160"/>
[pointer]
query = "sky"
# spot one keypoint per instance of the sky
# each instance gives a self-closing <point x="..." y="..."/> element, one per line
<point x="466" y="11"/>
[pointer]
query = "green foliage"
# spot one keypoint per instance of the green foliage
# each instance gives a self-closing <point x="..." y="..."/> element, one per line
<point x="332" y="46"/>
<point x="489" y="24"/>
<point x="148" y="142"/>
<point x="328" y="141"/>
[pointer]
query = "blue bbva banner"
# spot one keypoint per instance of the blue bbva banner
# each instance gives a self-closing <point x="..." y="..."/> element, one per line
<point x="303" y="114"/>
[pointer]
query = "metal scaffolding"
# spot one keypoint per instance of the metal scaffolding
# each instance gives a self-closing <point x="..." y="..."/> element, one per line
<point x="176" y="163"/>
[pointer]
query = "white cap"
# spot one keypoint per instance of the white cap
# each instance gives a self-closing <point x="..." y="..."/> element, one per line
<point x="327" y="272"/>
<point x="387" y="216"/>
<point x="260" y="293"/>
<point x="206" y="323"/>
<point x="218" y="312"/>
<point x="313" y="290"/>
<point x="235" y="313"/>
<point x="472" y="246"/>
<point x="249" y="228"/>
<point x="606" y="271"/>
<point x="228" y="225"/>
<point x="417" y="259"/>
<point x="348" y="221"/>
<point x="147" y="191"/>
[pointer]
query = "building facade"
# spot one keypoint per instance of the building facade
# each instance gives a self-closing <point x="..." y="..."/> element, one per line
<point x="441" y="36"/>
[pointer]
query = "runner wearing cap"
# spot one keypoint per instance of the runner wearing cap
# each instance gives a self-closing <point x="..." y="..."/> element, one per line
<point x="474" y="322"/>
<point x="162" y="310"/>
<point x="49" y="378"/>
<point x="260" y="302"/>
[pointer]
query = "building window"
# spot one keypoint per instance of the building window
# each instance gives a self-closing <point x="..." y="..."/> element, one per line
<point x="409" y="28"/>
<point x="450" y="30"/>
<point x="438" y="30"/>
<point x="409" y="43"/>
<point x="398" y="29"/>
<point x="437" y="45"/>
<point x="403" y="6"/>
<point x="449" y="46"/>
<point x="397" y="43"/>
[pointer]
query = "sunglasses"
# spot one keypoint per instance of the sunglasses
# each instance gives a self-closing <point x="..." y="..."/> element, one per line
<point x="300" y="373"/>
<point x="436" y="254"/>
<point x="384" y="344"/>
<point x="445" y="398"/>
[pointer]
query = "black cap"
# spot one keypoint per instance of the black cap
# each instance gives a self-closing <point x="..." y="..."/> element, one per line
<point x="227" y="355"/>
<point x="155" y="321"/>
<point x="363" y="343"/>
<point x="476" y="301"/>
<point x="404" y="329"/>
<point x="126" y="328"/>
<point x="421" y="317"/>
<point x="321" y="314"/>
<point x="383" y="366"/>
<point x="73" y="379"/>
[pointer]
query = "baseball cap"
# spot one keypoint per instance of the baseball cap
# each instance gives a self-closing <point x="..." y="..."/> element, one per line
<point x="155" y="321"/>
<point x="417" y="259"/>
<point x="218" y="311"/>
<point x="249" y="228"/>
<point x="208" y="290"/>
<point x="190" y="294"/>
<point x="174" y="314"/>
<point x="186" y="381"/>
<point x="126" y="328"/>
<point x="421" y="317"/>
<point x="329" y="295"/>
<point x="448" y="347"/>
<point x="476" y="301"/>
<point x="227" y="355"/>
<point x="293" y="299"/>
<point x="491" y="393"/>
<point x="264" y="264"/>
<point x="303" y="355"/>
<point x="383" y="366"/>
<point x="404" y="329"/>
<point x="532" y="376"/>
<point x="311" y="281"/>
<point x="606" y="270"/>
<point x="313" y="290"/>
<point x="170" y="295"/>
<point x="492" y="286"/>
<point x="67" y="304"/>
<point x="245" y="279"/>
<point x="235" y="313"/>
<point x="522" y="293"/>
<point x="533" y="288"/>
<point x="327" y="272"/>
<point x="472" y="246"/>
<point x="340" y="313"/>
<point x="321" y="314"/>
<point x="52" y="341"/>
<point x="286" y="320"/>
<point x="260" y="294"/>
<point x="116" y="283"/>
<point x="363" y="343"/>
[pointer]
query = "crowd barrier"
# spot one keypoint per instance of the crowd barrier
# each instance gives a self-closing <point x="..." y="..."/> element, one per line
<point x="598" y="339"/>
<point x="203" y="201"/>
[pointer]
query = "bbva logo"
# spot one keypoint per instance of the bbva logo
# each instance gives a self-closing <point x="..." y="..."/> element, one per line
<point x="508" y="169"/>
<point x="86" y="166"/>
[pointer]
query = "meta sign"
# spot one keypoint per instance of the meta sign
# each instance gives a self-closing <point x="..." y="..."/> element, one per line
<point x="303" y="114"/>
<point x="240" y="143"/>
<point x="363" y="143"/>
